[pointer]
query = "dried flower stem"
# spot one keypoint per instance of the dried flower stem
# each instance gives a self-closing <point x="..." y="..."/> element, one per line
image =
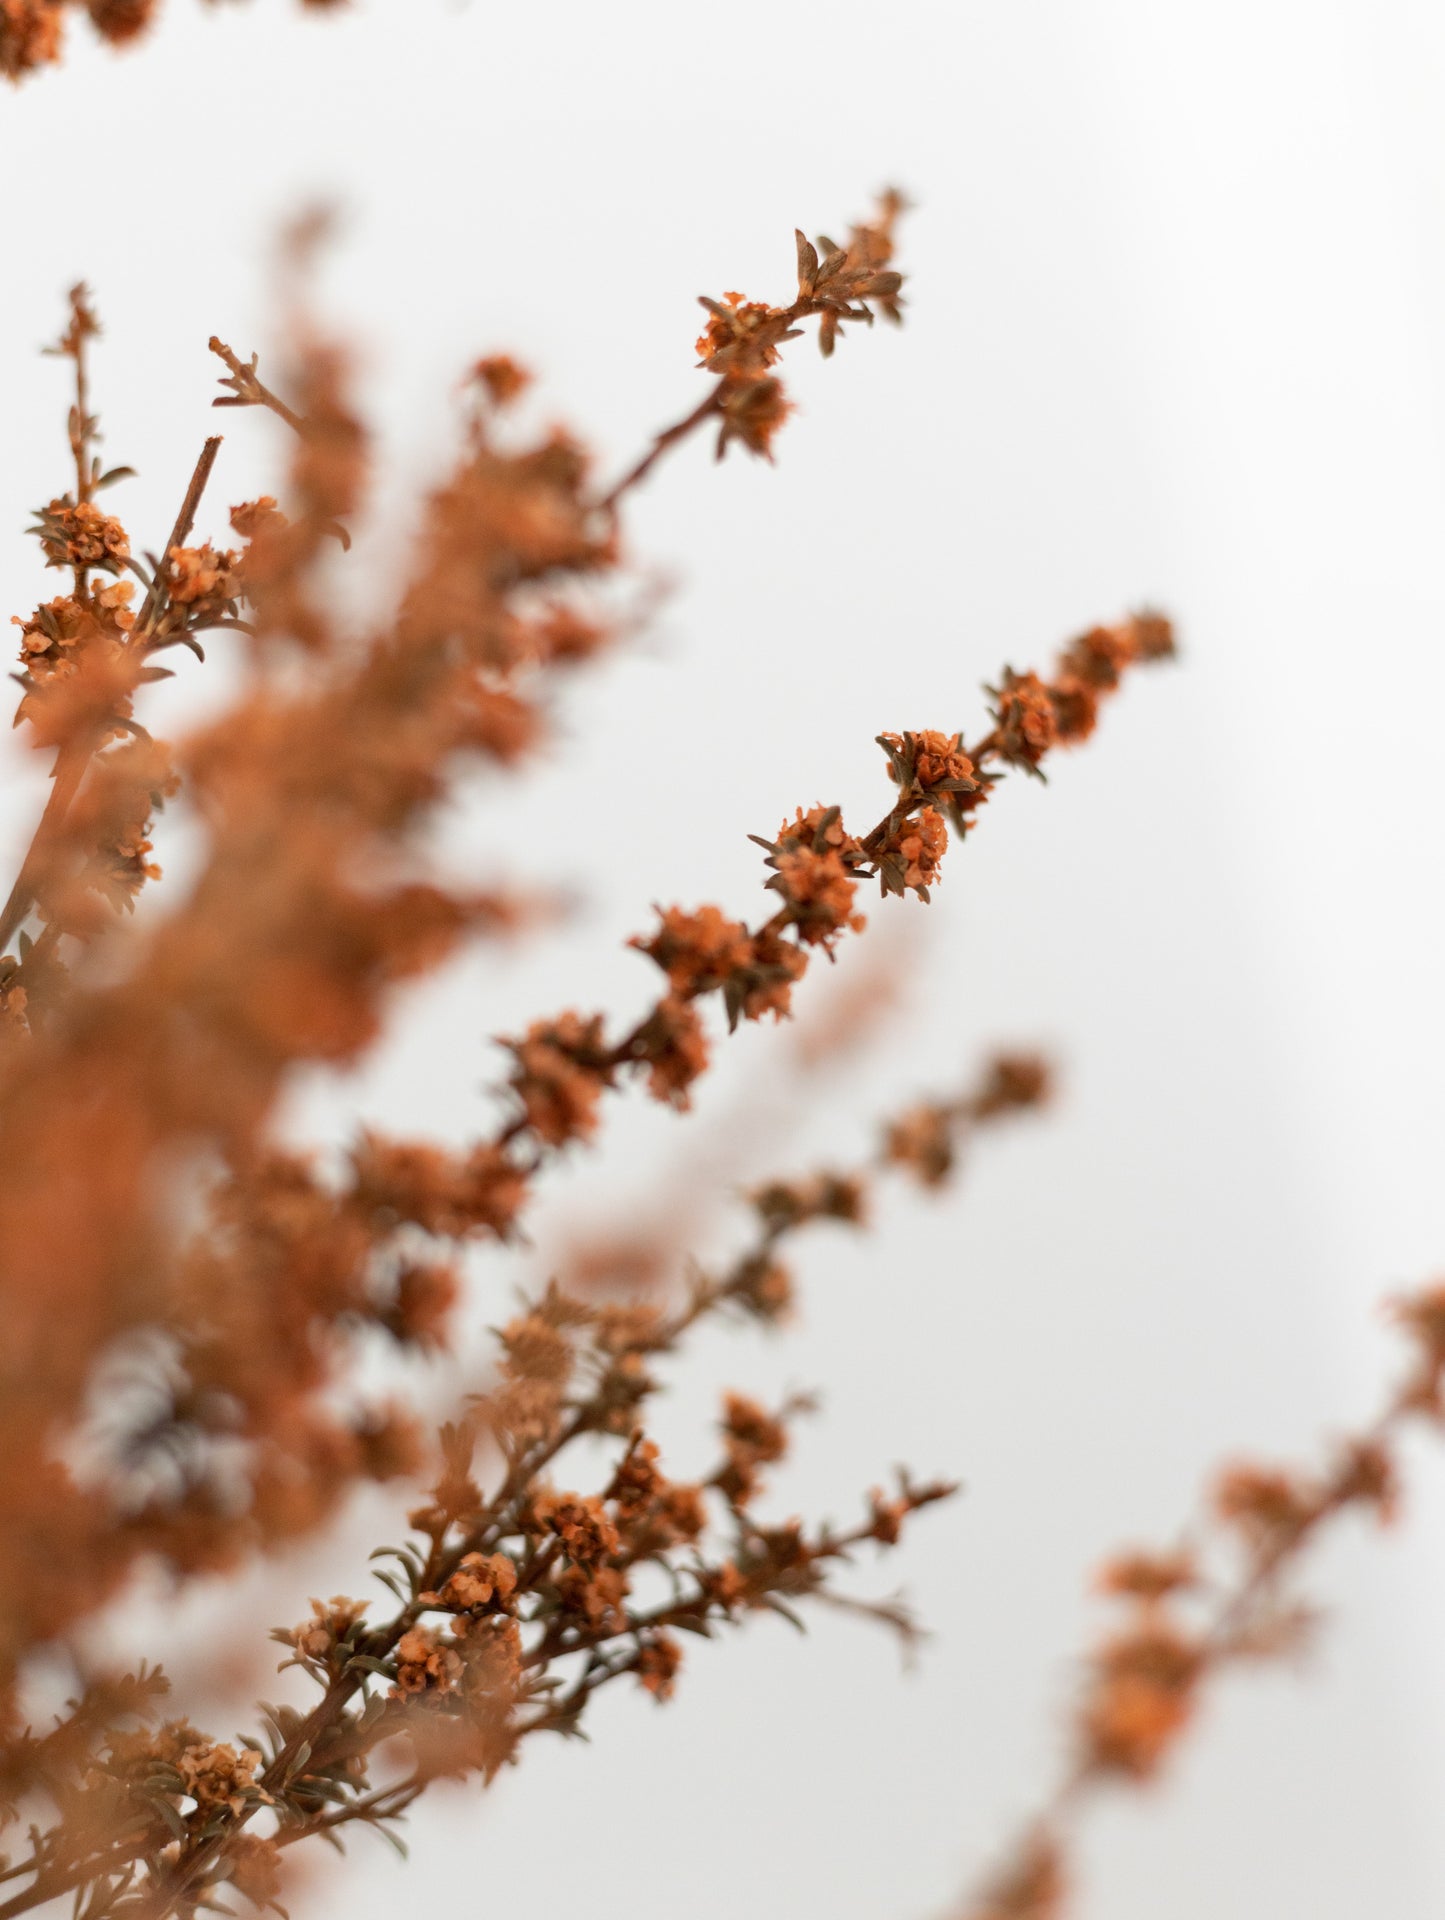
<point x="74" y="757"/>
<point x="1144" y="1686"/>
<point x="248" y="389"/>
<point x="668" y="438"/>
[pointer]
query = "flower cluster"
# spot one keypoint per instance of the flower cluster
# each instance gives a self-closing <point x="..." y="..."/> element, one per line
<point x="1032" y="715"/>
<point x="237" y="1286"/>
<point x="813" y="861"/>
<point x="190" y="1306"/>
<point x="743" y="338"/>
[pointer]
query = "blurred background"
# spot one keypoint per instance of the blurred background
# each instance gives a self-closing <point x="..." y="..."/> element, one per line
<point x="1177" y="305"/>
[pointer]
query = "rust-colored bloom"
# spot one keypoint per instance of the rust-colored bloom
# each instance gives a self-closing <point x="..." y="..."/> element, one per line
<point x="582" y="1525"/>
<point x="501" y="378"/>
<point x="1025" y="718"/>
<point x="30" y="35"/>
<point x="202" y="580"/>
<point x="697" y="951"/>
<point x="1270" y="1508"/>
<point x="741" y="338"/>
<point x="216" y="1775"/>
<point x="912" y="851"/>
<point x="658" y="1665"/>
<point x="1148" y="1576"/>
<point x="922" y="1141"/>
<point x="928" y="762"/>
<point x="1141" y="1699"/>
<point x="426" y="1664"/>
<point x="562" y="1071"/>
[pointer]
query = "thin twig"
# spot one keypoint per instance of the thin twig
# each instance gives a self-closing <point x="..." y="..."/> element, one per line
<point x="668" y="438"/>
<point x="248" y="389"/>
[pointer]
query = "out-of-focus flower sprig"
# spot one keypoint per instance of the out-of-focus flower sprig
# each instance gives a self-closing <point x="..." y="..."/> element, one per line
<point x="1219" y="1598"/>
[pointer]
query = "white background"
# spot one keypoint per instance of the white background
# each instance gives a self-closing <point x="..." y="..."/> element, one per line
<point x="1175" y="335"/>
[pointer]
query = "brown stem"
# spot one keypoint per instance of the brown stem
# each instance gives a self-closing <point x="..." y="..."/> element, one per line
<point x="73" y="344"/>
<point x="250" y="389"/>
<point x="185" y="519"/>
<point x="668" y="438"/>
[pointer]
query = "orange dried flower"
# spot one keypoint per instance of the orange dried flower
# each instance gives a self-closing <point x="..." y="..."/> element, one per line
<point x="331" y="1621"/>
<point x="766" y="984"/>
<point x="491" y="1647"/>
<point x="536" y="1350"/>
<point x="202" y="579"/>
<point x="922" y="1141"/>
<point x="747" y="1427"/>
<point x="1076" y="708"/>
<point x="1099" y="657"/>
<point x="596" y="1595"/>
<point x="680" y="1512"/>
<point x="697" y="951"/>
<point x="561" y="1074"/>
<point x="421" y="1310"/>
<point x="1013" y="1081"/>
<point x="254" y="517"/>
<point x="563" y="637"/>
<point x="501" y="378"/>
<point x="1147" y="1576"/>
<point x="741" y="338"/>
<point x="219" y="1775"/>
<point x="1141" y="1699"/>
<point x="30" y="32"/>
<point x="81" y="536"/>
<point x="752" y="411"/>
<point x="674" y="1048"/>
<point x="765" y="1288"/>
<point x="826" y="1196"/>
<point x="425" y="1664"/>
<point x="658" y="1665"/>
<point x="1366" y="1475"/>
<point x="120" y="20"/>
<point x="1270" y="1508"/>
<point x="812" y="860"/>
<point x="911" y="852"/>
<point x="581" y="1523"/>
<point x="1024" y="717"/>
<point x="481" y="1581"/>
<point x="638" y="1478"/>
<point x="928" y="762"/>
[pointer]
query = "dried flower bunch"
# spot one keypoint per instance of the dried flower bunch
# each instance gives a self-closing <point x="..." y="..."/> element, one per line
<point x="190" y="1305"/>
<point x="218" y="1291"/>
